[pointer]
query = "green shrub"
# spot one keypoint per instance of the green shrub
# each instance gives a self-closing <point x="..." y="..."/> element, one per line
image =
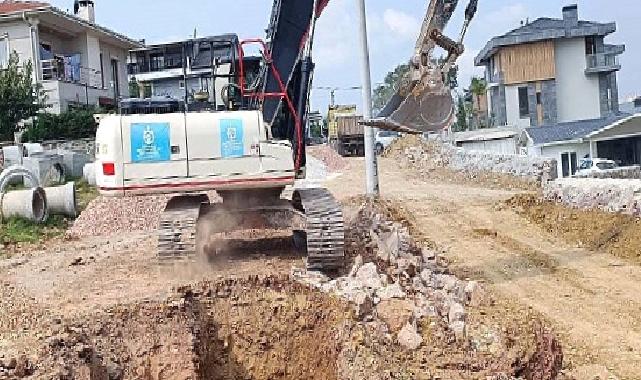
<point x="70" y="125"/>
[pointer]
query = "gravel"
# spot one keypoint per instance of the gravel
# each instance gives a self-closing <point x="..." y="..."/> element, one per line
<point x="106" y="216"/>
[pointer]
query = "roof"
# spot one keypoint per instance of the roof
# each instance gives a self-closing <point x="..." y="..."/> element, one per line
<point x="571" y="131"/>
<point x="9" y="8"/>
<point x="543" y="29"/>
<point x="487" y="134"/>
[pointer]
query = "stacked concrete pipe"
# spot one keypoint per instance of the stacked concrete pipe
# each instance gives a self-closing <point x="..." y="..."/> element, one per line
<point x="29" y="204"/>
<point x="61" y="200"/>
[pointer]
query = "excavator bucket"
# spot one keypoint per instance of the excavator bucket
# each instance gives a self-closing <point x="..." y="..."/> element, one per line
<point x="429" y="111"/>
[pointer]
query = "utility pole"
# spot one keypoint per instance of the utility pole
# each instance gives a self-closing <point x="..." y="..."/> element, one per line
<point x="371" y="161"/>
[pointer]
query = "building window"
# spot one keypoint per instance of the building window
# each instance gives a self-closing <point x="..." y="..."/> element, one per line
<point x="538" y="98"/>
<point x="590" y="46"/>
<point x="568" y="164"/>
<point x="102" y="71"/>
<point x="524" y="103"/>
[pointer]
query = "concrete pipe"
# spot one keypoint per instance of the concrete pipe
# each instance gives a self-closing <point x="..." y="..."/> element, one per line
<point x="89" y="173"/>
<point x="29" y="204"/>
<point x="61" y="200"/>
<point x="17" y="171"/>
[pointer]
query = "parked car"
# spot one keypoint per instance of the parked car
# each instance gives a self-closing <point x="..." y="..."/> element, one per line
<point x="590" y="165"/>
<point x="385" y="139"/>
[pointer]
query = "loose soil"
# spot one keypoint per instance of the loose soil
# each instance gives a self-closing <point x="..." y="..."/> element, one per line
<point x="616" y="234"/>
<point x="589" y="295"/>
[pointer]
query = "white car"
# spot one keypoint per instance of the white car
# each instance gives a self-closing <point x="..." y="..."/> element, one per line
<point x="385" y="139"/>
<point x="589" y="165"/>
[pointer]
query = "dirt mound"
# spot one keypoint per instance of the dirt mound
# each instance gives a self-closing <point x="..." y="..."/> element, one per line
<point x="332" y="160"/>
<point x="617" y="234"/>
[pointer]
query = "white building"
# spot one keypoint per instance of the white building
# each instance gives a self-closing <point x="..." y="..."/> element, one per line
<point x="552" y="71"/>
<point x="616" y="138"/>
<point x="77" y="61"/>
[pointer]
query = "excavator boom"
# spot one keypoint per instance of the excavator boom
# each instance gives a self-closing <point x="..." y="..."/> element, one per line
<point x="423" y="101"/>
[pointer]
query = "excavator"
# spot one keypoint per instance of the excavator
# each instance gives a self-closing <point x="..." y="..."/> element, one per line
<point x="248" y="144"/>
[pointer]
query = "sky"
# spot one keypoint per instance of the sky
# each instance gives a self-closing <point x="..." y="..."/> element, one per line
<point x="393" y="26"/>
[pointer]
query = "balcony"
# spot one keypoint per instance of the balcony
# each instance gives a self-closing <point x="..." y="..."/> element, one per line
<point x="62" y="70"/>
<point x="602" y="63"/>
<point x="495" y="78"/>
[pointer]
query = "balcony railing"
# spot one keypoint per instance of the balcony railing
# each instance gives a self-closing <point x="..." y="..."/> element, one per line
<point x="602" y="62"/>
<point x="58" y="70"/>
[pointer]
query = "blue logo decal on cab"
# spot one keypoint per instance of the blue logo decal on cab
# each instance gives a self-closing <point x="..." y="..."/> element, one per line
<point x="150" y="142"/>
<point x="232" y="142"/>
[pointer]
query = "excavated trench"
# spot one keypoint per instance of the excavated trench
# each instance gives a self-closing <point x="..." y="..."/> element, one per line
<point x="268" y="328"/>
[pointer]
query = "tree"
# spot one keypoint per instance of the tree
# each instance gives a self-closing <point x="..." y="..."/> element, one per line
<point x="384" y="92"/>
<point x="20" y="98"/>
<point x="478" y="88"/>
<point x="461" y="116"/>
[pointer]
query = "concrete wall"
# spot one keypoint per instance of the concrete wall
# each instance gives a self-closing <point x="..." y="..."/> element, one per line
<point x="19" y="39"/>
<point x="628" y="172"/>
<point x="610" y="195"/>
<point x="502" y="146"/>
<point x="512" y="107"/>
<point x="577" y="94"/>
<point x="555" y="152"/>
<point x="533" y="169"/>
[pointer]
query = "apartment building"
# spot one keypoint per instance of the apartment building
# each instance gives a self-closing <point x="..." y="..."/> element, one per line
<point x="194" y="71"/>
<point x="552" y="71"/>
<point x="77" y="61"/>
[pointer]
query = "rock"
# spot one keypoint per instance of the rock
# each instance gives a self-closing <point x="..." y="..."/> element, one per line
<point x="428" y="255"/>
<point x="389" y="245"/>
<point x="409" y="338"/>
<point x="408" y="264"/>
<point x="458" y="328"/>
<point x="395" y="313"/>
<point x="424" y="308"/>
<point x="391" y="291"/>
<point x="369" y="277"/>
<point x="446" y="282"/>
<point x="358" y="263"/>
<point x="428" y="279"/>
<point x="364" y="305"/>
<point x="456" y="313"/>
<point x="474" y="294"/>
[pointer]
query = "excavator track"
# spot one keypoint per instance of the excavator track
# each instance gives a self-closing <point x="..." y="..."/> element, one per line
<point x="325" y="229"/>
<point x="177" y="227"/>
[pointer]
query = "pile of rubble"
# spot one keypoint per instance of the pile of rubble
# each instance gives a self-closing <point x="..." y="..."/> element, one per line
<point x="332" y="160"/>
<point x="437" y="154"/>
<point x="610" y="195"/>
<point x="395" y="280"/>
